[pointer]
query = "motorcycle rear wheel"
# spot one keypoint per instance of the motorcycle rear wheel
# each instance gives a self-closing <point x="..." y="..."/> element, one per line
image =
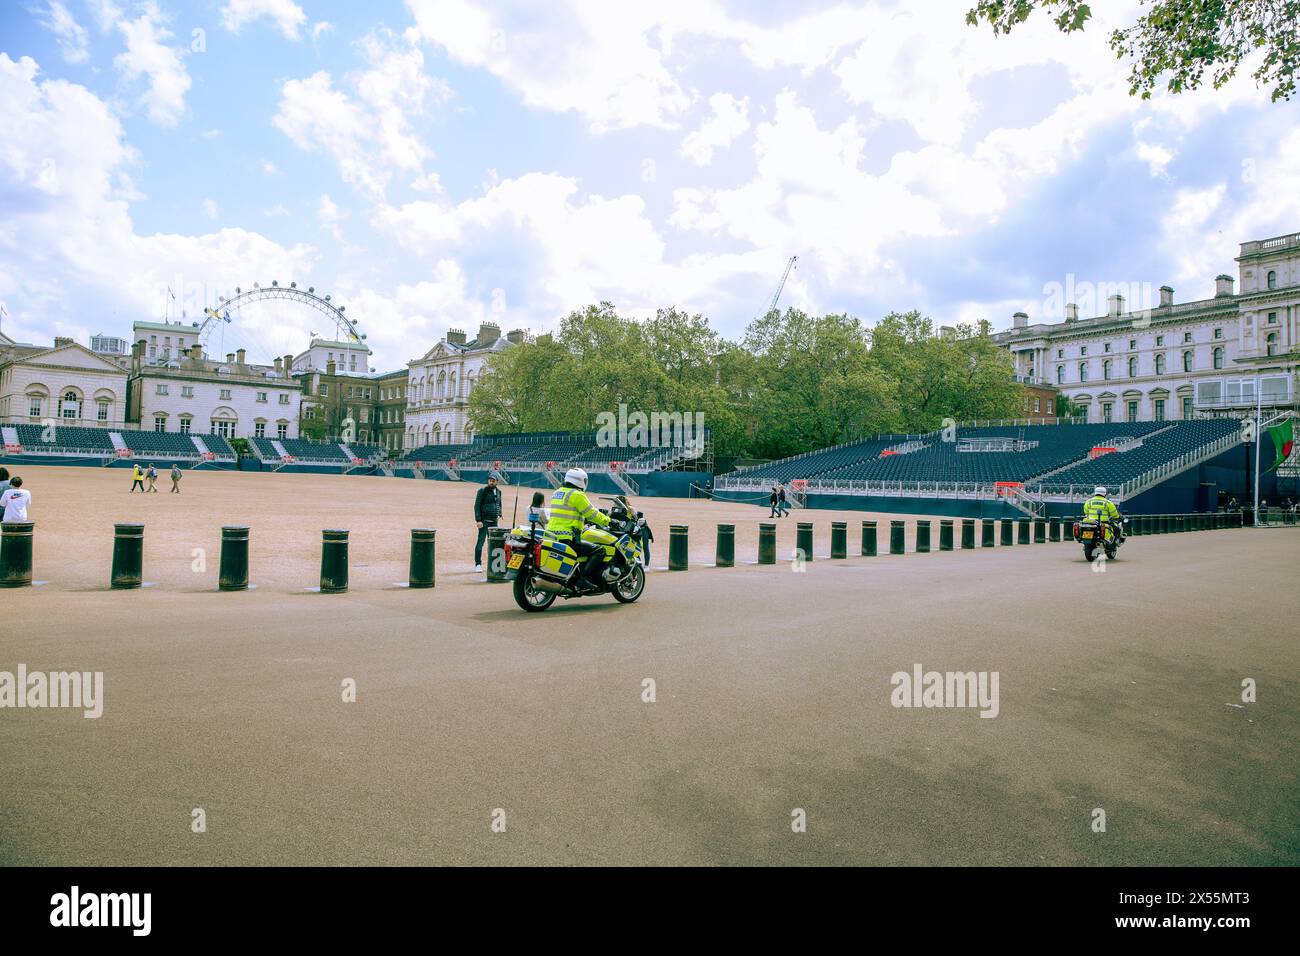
<point x="1089" y="550"/>
<point x="629" y="587"/>
<point x="530" y="598"/>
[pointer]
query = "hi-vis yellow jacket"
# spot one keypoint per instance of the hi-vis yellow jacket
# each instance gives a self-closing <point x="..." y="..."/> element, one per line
<point x="1100" y="508"/>
<point x="571" y="511"/>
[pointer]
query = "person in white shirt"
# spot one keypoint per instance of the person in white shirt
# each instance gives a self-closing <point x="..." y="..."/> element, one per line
<point x="14" y="501"/>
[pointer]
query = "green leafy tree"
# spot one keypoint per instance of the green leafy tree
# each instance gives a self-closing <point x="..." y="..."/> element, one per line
<point x="1183" y="39"/>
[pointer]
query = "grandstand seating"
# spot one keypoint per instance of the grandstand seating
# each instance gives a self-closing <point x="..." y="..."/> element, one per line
<point x="65" y="438"/>
<point x="163" y="444"/>
<point x="1115" y="468"/>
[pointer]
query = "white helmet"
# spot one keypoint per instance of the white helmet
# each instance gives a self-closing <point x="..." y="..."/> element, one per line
<point x="1099" y="490"/>
<point x="576" y="477"/>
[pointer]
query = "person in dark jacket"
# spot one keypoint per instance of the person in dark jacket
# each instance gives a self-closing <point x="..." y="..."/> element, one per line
<point x="487" y="512"/>
<point x="646" y="537"/>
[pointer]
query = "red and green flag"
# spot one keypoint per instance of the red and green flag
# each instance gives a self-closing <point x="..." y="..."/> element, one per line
<point x="1283" y="436"/>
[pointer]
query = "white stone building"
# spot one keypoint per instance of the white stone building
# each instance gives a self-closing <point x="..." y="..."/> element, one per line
<point x="439" y="384"/>
<point x="349" y="358"/>
<point x="193" y="394"/>
<point x="1177" y="361"/>
<point x="67" y="382"/>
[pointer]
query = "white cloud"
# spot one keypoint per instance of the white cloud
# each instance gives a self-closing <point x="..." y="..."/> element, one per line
<point x="210" y="208"/>
<point x="148" y="56"/>
<point x="728" y="119"/>
<point x="329" y="217"/>
<point x="287" y="15"/>
<point x="269" y="168"/>
<point x="369" y="135"/>
<point x="71" y="35"/>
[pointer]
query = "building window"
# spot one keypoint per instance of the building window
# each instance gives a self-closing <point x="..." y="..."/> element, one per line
<point x="1218" y="333"/>
<point x="261" y="396"/>
<point x="1060" y="353"/>
<point x="1160" y="365"/>
<point x="102" y="413"/>
<point x="1107" y="411"/>
<point x="187" y="391"/>
<point x="71" y="405"/>
<point x="1084" y="350"/>
<point x="324" y="390"/>
<point x="1106" y="347"/>
<point x="223" y="427"/>
<point x="1160" y="340"/>
<point x="1189" y="361"/>
<point x="1132" y="344"/>
<point x="160" y="389"/>
<point x="1218" y="357"/>
<point x="1187" y="407"/>
<point x="1083" y="371"/>
<point x="1272" y="318"/>
<point x="1272" y="343"/>
<point x="1272" y="279"/>
<point x="1187" y="336"/>
<point x="1160" y="409"/>
<point x="1132" y="411"/>
<point x="160" y="423"/>
<point x="282" y="430"/>
<point x="34" y="407"/>
<point x="1038" y="405"/>
<point x="259" y="429"/>
<point x="284" y="399"/>
<point x="1105" y="370"/>
<point x="185" y="424"/>
<point x="225" y="395"/>
<point x="1133" y="367"/>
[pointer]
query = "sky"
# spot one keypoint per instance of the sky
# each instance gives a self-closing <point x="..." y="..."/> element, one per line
<point x="435" y="164"/>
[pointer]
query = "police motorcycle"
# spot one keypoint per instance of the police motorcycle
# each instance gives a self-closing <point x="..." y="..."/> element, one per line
<point x="1108" y="535"/>
<point x="543" y="566"/>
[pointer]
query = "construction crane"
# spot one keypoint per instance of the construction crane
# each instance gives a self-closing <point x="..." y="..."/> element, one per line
<point x="781" y="285"/>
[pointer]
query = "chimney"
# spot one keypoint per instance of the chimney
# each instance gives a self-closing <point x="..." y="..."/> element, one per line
<point x="329" y="367"/>
<point x="515" y="336"/>
<point x="137" y="351"/>
<point x="1222" y="286"/>
<point x="1071" y="312"/>
<point x="279" y="365"/>
<point x="455" y="337"/>
<point x="230" y="358"/>
<point x="1115" y="305"/>
<point x="1166" y="296"/>
<point x="196" y="352"/>
<point x="488" y="333"/>
<point x="1019" y="320"/>
<point x="61" y="340"/>
<point x="288" y="365"/>
<point x="239" y="356"/>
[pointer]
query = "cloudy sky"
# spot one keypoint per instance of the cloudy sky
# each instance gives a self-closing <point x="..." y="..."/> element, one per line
<point x="436" y="163"/>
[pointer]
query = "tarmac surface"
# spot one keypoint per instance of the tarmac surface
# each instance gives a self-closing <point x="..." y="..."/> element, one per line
<point x="1119" y="691"/>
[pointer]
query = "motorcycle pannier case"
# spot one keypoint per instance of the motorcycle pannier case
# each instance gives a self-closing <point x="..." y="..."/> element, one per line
<point x="557" y="559"/>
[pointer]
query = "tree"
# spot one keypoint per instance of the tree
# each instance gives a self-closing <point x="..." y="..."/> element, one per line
<point x="1181" y="38"/>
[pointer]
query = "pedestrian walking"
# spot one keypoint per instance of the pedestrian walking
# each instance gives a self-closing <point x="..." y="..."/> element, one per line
<point x="137" y="478"/>
<point x="152" y="475"/>
<point x="487" y="512"/>
<point x="772" y="499"/>
<point x="176" y="479"/>
<point x="782" y="504"/>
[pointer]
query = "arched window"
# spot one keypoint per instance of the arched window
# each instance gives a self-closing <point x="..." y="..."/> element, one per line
<point x="1189" y="361"/>
<point x="442" y="385"/>
<point x="1060" y="375"/>
<point x="1105" y="370"/>
<point x="1272" y="343"/>
<point x="71" y="404"/>
<point x="1083" y="371"/>
<point x="1160" y="365"/>
<point x="1272" y="279"/>
<point x="1133" y="367"/>
<point x="1218" y="357"/>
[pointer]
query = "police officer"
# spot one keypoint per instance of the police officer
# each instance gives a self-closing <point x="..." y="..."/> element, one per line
<point x="1099" y="508"/>
<point x="571" y="511"/>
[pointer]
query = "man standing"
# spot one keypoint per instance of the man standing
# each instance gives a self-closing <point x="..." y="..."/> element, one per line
<point x="176" y="479"/>
<point x="487" y="511"/>
<point x="14" y="501"/>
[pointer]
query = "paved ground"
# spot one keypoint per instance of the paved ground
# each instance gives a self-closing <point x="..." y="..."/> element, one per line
<point x="1117" y="691"/>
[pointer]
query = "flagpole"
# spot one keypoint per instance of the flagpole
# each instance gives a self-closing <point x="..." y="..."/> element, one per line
<point x="1259" y="422"/>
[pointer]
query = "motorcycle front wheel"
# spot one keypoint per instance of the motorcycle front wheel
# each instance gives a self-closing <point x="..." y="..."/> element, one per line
<point x="531" y="598"/>
<point x="629" y="587"/>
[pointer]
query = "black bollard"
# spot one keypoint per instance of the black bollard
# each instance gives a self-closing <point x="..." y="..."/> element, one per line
<point x="1008" y="533"/>
<point x="767" y="544"/>
<point x="128" y="556"/>
<point x="678" y="547"/>
<point x="945" y="534"/>
<point x="1040" y="531"/>
<point x="420" y="574"/>
<point x="986" y="533"/>
<point x="967" y="533"/>
<point x="334" y="561"/>
<point x="896" y="545"/>
<point x="725" y="555"/>
<point x="922" y="536"/>
<point x="495" y="569"/>
<point x="233" y="575"/>
<point x="839" y="539"/>
<point x="16" y="554"/>
<point x="1022" y="531"/>
<point x="1054" y="528"/>
<point x="868" y="539"/>
<point x="803" y="542"/>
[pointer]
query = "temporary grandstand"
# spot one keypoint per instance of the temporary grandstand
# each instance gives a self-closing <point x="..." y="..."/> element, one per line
<point x="1021" y="467"/>
<point x="298" y="454"/>
<point x="41" y="444"/>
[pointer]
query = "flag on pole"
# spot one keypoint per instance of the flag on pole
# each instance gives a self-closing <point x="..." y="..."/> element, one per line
<point x="1283" y="436"/>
